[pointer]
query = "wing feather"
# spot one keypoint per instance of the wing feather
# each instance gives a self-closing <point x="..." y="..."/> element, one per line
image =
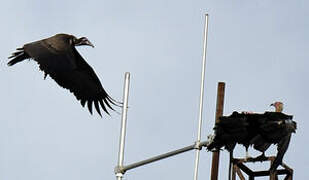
<point x="90" y="106"/>
<point x="97" y="107"/>
<point x="103" y="106"/>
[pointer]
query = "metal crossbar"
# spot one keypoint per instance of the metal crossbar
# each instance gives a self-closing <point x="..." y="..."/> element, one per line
<point x="123" y="169"/>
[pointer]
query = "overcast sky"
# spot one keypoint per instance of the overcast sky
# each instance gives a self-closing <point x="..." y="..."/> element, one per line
<point x="258" y="47"/>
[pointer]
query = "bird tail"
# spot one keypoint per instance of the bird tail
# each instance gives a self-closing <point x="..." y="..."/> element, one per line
<point x="18" y="56"/>
<point x="282" y="148"/>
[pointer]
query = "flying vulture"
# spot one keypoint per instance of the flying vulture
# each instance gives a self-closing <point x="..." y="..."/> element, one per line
<point x="257" y="130"/>
<point x="58" y="58"/>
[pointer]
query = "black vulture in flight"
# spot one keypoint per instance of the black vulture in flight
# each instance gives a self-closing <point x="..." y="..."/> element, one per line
<point x="257" y="130"/>
<point x="58" y="58"/>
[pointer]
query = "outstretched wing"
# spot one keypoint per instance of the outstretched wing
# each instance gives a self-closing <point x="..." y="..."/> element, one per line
<point x="67" y="67"/>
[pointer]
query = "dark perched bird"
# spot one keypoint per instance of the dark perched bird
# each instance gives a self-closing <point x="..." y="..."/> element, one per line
<point x="275" y="128"/>
<point x="257" y="130"/>
<point x="58" y="58"/>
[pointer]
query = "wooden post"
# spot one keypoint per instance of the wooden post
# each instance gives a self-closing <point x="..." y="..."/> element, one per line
<point x="272" y="175"/>
<point x="234" y="172"/>
<point x="219" y="112"/>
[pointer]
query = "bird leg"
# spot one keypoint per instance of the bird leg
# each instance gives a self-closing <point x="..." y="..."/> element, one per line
<point x="261" y="157"/>
<point x="247" y="154"/>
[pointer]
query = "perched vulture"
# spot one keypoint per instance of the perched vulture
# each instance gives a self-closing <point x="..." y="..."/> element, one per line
<point x="58" y="58"/>
<point x="257" y="130"/>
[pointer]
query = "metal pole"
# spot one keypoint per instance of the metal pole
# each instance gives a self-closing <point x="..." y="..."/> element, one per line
<point x="119" y="175"/>
<point x="197" y="155"/>
<point x="219" y="112"/>
<point x="162" y="156"/>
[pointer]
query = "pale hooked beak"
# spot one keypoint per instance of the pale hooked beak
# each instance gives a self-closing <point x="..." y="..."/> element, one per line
<point x="83" y="41"/>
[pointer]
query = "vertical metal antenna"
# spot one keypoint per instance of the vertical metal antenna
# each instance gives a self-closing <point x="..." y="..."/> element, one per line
<point x="197" y="156"/>
<point x="119" y="175"/>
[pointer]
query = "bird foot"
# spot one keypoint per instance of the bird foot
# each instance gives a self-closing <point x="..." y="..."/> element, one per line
<point x="261" y="158"/>
<point x="247" y="158"/>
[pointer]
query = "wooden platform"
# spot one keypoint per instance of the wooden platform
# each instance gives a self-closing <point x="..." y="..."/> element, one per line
<point x="239" y="168"/>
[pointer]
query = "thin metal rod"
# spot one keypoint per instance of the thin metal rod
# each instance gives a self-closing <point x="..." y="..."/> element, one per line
<point x="162" y="156"/>
<point x="119" y="175"/>
<point x="197" y="155"/>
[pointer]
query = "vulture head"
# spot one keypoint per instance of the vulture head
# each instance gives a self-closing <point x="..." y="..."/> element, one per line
<point x="72" y="40"/>
<point x="81" y="41"/>
<point x="278" y="106"/>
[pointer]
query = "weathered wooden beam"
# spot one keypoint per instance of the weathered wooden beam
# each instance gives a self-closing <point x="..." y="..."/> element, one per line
<point x="219" y="113"/>
<point x="245" y="169"/>
<point x="242" y="177"/>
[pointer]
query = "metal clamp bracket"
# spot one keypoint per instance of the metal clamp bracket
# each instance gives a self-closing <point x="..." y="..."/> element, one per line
<point x="119" y="171"/>
<point x="197" y="145"/>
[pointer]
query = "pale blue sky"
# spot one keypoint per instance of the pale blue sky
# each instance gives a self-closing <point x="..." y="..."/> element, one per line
<point x="259" y="48"/>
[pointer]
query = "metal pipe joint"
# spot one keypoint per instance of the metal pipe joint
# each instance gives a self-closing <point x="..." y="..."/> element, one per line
<point x="119" y="170"/>
<point x="198" y="145"/>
